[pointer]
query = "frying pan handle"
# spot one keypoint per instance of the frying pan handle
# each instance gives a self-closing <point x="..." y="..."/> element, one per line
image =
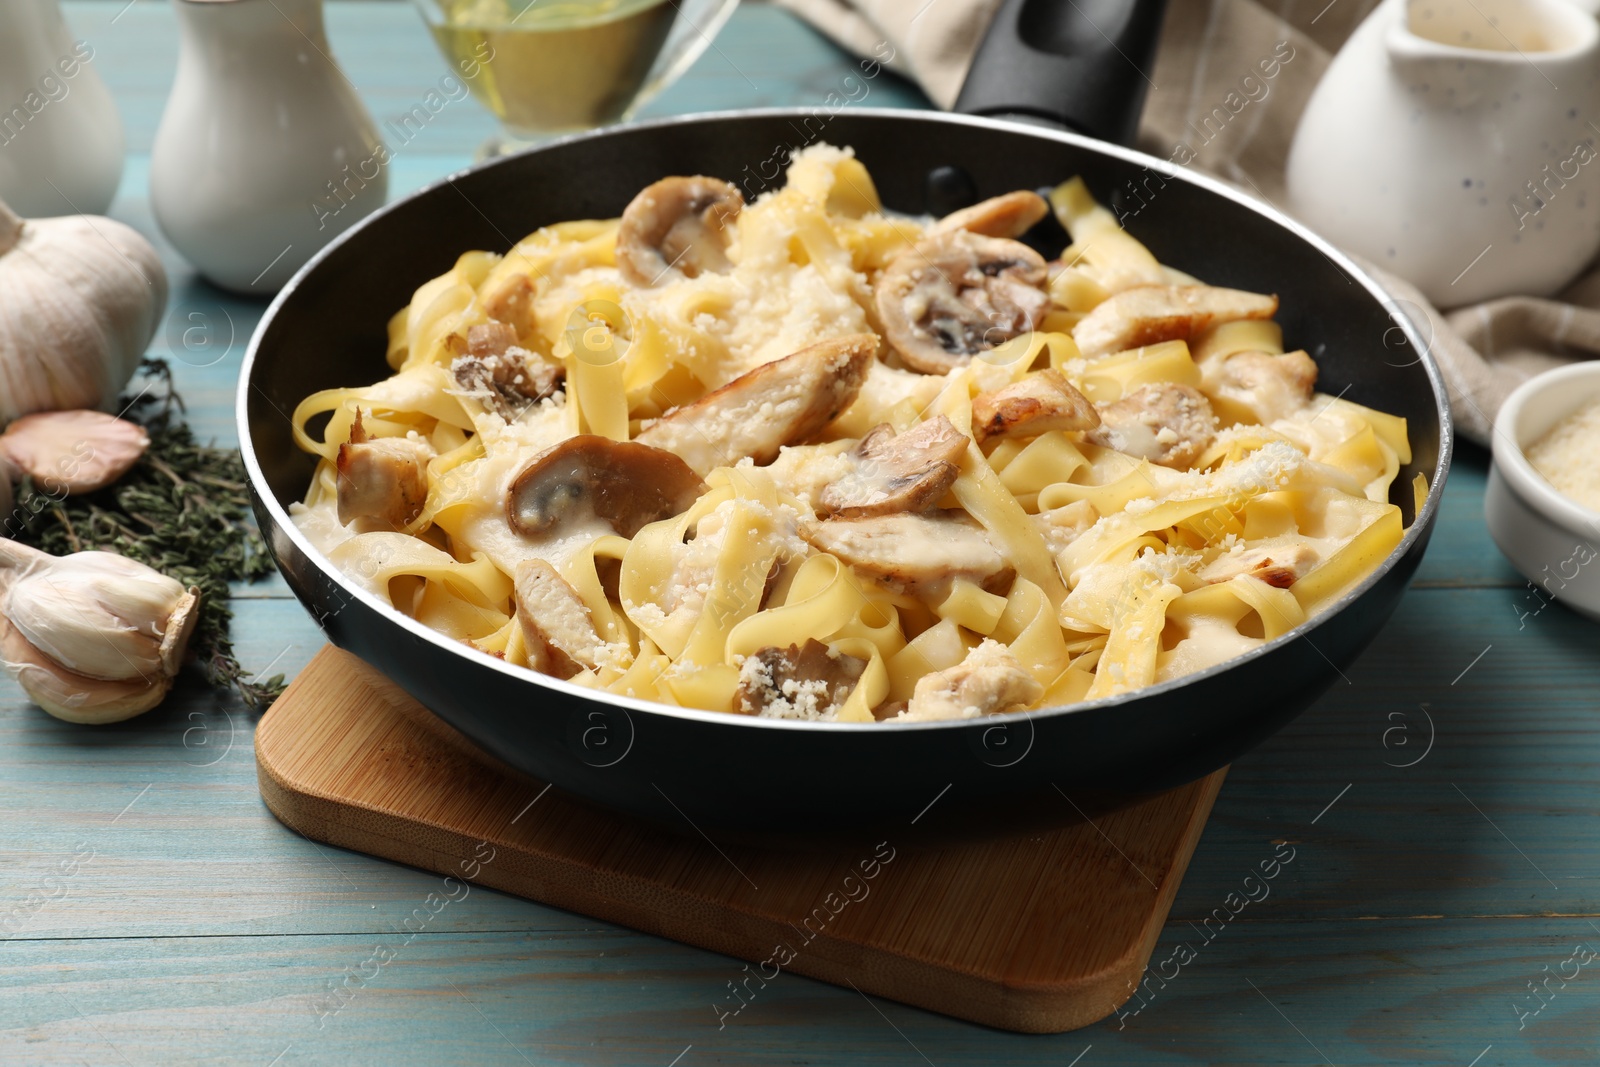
<point x="1083" y="64"/>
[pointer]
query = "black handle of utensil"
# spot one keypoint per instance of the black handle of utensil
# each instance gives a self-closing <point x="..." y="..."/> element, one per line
<point x="1083" y="64"/>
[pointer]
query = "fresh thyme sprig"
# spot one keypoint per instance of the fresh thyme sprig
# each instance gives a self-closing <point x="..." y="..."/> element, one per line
<point x="183" y="509"/>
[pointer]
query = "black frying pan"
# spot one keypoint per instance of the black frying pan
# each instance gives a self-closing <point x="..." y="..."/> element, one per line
<point x="326" y="329"/>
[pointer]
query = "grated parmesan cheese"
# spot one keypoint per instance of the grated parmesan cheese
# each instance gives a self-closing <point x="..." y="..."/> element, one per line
<point x="1566" y="456"/>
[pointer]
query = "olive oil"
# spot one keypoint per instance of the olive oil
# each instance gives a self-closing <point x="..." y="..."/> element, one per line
<point x="554" y="65"/>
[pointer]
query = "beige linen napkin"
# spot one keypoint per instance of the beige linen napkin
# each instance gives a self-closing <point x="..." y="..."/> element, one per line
<point x="1210" y="49"/>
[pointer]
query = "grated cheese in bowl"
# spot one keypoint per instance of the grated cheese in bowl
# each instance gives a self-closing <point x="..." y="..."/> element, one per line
<point x="1566" y="456"/>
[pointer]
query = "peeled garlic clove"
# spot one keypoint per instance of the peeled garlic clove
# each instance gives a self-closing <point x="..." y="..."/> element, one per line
<point x="74" y="697"/>
<point x="92" y="637"/>
<point x="74" y="451"/>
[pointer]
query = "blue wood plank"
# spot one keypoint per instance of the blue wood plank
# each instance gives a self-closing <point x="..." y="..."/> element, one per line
<point x="1441" y="805"/>
<point x="1258" y="993"/>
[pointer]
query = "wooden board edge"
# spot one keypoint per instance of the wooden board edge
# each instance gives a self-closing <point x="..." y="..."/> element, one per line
<point x="1043" y="1008"/>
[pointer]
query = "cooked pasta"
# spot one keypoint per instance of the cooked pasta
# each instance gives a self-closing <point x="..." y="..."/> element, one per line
<point x="803" y="458"/>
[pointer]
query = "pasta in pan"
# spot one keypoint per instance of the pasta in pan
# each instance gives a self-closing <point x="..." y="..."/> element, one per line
<point x="805" y="459"/>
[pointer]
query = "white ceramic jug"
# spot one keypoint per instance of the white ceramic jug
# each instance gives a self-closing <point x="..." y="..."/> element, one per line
<point x="265" y="152"/>
<point x="1458" y="152"/>
<point x="61" y="139"/>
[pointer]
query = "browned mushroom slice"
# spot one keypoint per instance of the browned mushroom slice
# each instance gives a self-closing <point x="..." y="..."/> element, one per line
<point x="957" y="294"/>
<point x="798" y="682"/>
<point x="506" y="379"/>
<point x="383" y="480"/>
<point x="913" y="550"/>
<point x="624" y="484"/>
<point x="1278" y="565"/>
<point x="1267" y="387"/>
<point x="1165" y="423"/>
<point x="897" y="472"/>
<point x="777" y="404"/>
<point x="1037" y="404"/>
<point x="1009" y="215"/>
<point x="988" y="681"/>
<point x="70" y="451"/>
<point x="677" y="228"/>
<point x="1151" y="313"/>
<point x="556" y="626"/>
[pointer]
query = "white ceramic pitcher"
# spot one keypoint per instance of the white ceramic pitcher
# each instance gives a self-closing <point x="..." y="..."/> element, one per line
<point x="265" y="152"/>
<point x="1458" y="152"/>
<point x="61" y="139"/>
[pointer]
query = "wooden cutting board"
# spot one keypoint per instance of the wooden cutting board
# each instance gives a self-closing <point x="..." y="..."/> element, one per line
<point x="1040" y="933"/>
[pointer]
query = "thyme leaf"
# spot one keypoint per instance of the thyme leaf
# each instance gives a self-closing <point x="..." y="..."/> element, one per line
<point x="183" y="509"/>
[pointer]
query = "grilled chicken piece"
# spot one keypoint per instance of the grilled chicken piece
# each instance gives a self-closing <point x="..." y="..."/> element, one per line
<point x="809" y="682"/>
<point x="511" y="302"/>
<point x="624" y="484"/>
<point x="676" y="229"/>
<point x="1277" y="565"/>
<point x="1008" y="215"/>
<point x="383" y="481"/>
<point x="1266" y="386"/>
<point x="957" y="294"/>
<point x="778" y="403"/>
<point x="1037" y="404"/>
<point x="556" y="626"/>
<point x="1152" y="313"/>
<point x="987" y="682"/>
<point x="1165" y="423"/>
<point x="497" y="373"/>
<point x="913" y="551"/>
<point x="897" y="472"/>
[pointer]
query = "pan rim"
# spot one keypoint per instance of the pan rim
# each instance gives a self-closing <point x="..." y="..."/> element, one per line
<point x="1423" y="521"/>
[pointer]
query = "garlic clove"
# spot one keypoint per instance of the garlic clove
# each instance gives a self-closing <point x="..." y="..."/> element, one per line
<point x="93" y="636"/>
<point x="74" y="451"/>
<point x="102" y="615"/>
<point x="70" y="696"/>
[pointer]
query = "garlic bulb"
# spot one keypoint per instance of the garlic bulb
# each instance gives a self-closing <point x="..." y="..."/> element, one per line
<point x="82" y="297"/>
<point x="92" y="637"/>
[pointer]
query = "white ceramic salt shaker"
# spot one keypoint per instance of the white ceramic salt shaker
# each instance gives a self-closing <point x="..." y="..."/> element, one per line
<point x="61" y="139"/>
<point x="1451" y="142"/>
<point x="265" y="152"/>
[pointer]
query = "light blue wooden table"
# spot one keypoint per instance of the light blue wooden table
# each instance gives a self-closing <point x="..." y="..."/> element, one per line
<point x="1442" y="805"/>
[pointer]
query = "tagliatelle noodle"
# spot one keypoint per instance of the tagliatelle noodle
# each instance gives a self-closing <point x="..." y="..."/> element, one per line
<point x="1096" y="609"/>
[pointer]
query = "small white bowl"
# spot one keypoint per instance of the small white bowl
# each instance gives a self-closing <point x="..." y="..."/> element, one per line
<point x="1551" y="539"/>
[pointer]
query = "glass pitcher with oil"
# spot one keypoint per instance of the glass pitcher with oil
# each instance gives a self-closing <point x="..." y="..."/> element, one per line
<point x="556" y="66"/>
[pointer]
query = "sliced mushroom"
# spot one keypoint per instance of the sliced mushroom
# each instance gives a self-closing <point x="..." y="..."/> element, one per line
<point x="1037" y="404"/>
<point x="1278" y="565"/>
<point x="556" y="626"/>
<point x="383" y="480"/>
<point x="1008" y="215"/>
<point x="779" y="403"/>
<point x="987" y="682"/>
<point x="503" y="377"/>
<point x="897" y="472"/>
<point x="624" y="484"/>
<point x="677" y="228"/>
<point x="1268" y="387"/>
<point x="914" y="551"/>
<point x="956" y="294"/>
<point x="71" y="451"/>
<point x="799" y="682"/>
<point x="1152" y="313"/>
<point x="1166" y="423"/>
